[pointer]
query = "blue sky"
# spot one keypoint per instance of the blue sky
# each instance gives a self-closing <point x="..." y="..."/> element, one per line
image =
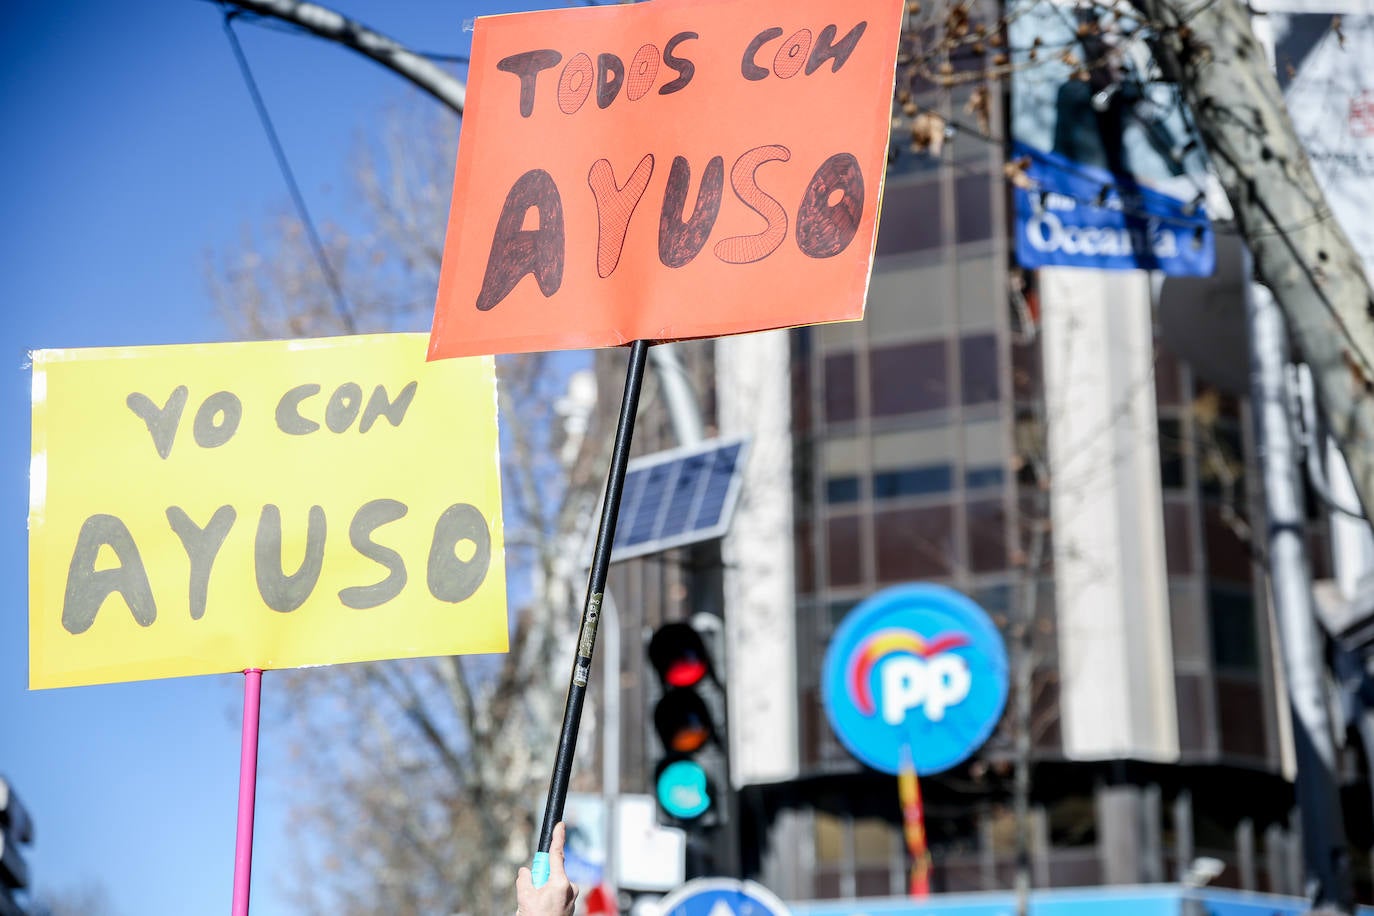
<point x="129" y="150"/>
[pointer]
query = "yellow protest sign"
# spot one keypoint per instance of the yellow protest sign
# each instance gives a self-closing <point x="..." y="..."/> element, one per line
<point x="211" y="508"/>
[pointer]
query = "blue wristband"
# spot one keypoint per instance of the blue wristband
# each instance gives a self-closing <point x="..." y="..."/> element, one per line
<point x="539" y="869"/>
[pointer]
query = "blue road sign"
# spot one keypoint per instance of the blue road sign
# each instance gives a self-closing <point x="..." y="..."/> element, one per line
<point x="722" y="897"/>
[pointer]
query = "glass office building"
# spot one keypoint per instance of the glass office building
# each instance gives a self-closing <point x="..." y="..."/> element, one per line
<point x="919" y="445"/>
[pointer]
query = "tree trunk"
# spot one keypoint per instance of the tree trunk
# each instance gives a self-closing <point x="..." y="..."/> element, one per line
<point x="1299" y="250"/>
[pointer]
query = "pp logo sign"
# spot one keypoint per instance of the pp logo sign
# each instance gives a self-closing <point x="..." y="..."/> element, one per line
<point x="912" y="674"/>
<point x="920" y="665"/>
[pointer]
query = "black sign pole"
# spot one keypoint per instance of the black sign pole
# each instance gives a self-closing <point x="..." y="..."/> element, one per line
<point x="591" y="611"/>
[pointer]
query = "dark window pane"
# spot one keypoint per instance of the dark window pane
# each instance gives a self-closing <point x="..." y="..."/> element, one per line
<point x="1240" y="715"/>
<point x="1171" y="451"/>
<point x="1070" y="869"/>
<point x="987" y="536"/>
<point x="1073" y="821"/>
<point x="937" y="478"/>
<point x="1025" y="369"/>
<point x="909" y="378"/>
<point x="910" y="219"/>
<point x="840" y="403"/>
<point x="842" y="490"/>
<point x="973" y="206"/>
<point x="991" y="476"/>
<point x="845" y="565"/>
<point x="1028" y="440"/>
<point x="1168" y="383"/>
<point x="836" y="611"/>
<point x="1178" y="538"/>
<point x="995" y="599"/>
<point x="1221" y="464"/>
<point x="1235" y="642"/>
<point x="872" y="882"/>
<point x="827" y="885"/>
<point x="914" y="543"/>
<point x="956" y="875"/>
<point x="1228" y="557"/>
<point x="1319" y="551"/>
<point x="978" y="369"/>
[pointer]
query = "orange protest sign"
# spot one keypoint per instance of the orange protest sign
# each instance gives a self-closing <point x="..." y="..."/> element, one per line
<point x="666" y="170"/>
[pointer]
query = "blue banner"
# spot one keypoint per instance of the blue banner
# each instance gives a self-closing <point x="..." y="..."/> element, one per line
<point x="1074" y="215"/>
<point x="1147" y="900"/>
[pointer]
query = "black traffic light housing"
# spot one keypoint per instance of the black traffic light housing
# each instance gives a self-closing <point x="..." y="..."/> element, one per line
<point x="691" y="775"/>
<point x="16" y="829"/>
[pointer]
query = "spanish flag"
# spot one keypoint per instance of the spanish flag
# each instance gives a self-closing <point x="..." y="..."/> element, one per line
<point x="913" y="824"/>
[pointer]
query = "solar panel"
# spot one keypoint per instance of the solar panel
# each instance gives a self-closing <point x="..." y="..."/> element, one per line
<point x="678" y="497"/>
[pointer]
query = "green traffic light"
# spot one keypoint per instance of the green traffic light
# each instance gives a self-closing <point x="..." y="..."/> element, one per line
<point x="683" y="790"/>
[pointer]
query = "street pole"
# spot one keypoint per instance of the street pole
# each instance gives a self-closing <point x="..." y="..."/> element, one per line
<point x="1290" y="578"/>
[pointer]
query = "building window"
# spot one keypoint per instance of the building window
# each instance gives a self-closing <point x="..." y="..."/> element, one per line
<point x="973" y="206"/>
<point x="1228" y="556"/>
<point x="915" y="543"/>
<point x="935" y="478"/>
<point x="978" y="369"/>
<point x="909" y="379"/>
<point x="987" y="536"/>
<point x="1178" y="538"/>
<point x="845" y="551"/>
<point x="842" y="490"/>
<point x="1171" y="451"/>
<point x="1235" y="641"/>
<point x="995" y="599"/>
<point x="978" y="478"/>
<point x="1221" y="458"/>
<point x="910" y="218"/>
<point x="1240" y="717"/>
<point x="841" y="403"/>
<point x="837" y="611"/>
<point x="1168" y="381"/>
<point x="1025" y="369"/>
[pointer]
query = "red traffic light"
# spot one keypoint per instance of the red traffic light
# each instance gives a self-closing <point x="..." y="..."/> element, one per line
<point x="679" y="656"/>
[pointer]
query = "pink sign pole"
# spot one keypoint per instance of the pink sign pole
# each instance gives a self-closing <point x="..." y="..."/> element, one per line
<point x="248" y="787"/>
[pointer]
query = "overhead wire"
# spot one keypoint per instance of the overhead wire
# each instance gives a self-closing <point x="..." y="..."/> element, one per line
<point x="331" y="277"/>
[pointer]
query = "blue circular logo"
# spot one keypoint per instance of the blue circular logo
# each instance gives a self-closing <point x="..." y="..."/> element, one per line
<point x="915" y="665"/>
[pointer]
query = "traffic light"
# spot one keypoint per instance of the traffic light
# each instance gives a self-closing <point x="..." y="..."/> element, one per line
<point x="691" y="778"/>
<point x="16" y="829"/>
